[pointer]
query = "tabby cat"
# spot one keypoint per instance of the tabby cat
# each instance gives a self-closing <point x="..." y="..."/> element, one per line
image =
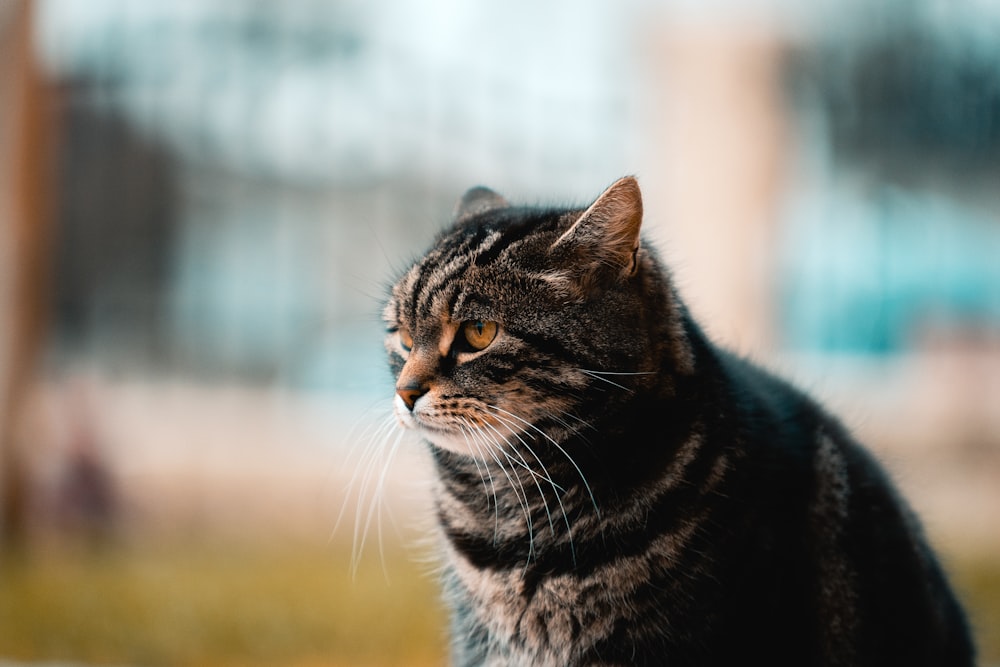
<point x="614" y="489"/>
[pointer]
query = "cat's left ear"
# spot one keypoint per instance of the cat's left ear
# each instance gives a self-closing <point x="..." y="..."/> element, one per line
<point x="604" y="240"/>
<point x="478" y="200"/>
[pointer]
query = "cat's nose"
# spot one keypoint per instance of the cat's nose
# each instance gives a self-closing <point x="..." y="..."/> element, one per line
<point x="410" y="392"/>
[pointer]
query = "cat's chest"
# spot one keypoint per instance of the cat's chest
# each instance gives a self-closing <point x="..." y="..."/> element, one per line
<point x="549" y="618"/>
<point x="540" y="623"/>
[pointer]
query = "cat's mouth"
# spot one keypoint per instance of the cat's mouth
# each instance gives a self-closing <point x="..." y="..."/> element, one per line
<point x="452" y="439"/>
<point x="471" y="439"/>
<point x="413" y="420"/>
<point x="436" y="430"/>
<point x="453" y="442"/>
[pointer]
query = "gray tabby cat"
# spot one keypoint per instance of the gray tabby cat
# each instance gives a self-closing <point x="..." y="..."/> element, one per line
<point x="614" y="489"/>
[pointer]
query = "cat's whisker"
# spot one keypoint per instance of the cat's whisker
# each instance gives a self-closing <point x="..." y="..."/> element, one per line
<point x="366" y="463"/>
<point x="557" y="489"/>
<point x="378" y="497"/>
<point x="590" y="370"/>
<point x="369" y="444"/>
<point x="522" y="498"/>
<point x="375" y="505"/>
<point x="464" y="429"/>
<point x="545" y="475"/>
<point x="372" y="452"/>
<point x="575" y="430"/>
<point x="496" y="503"/>
<point x="583" y="478"/>
<point x="520" y="461"/>
<point x="365" y="467"/>
<point x="597" y="376"/>
<point x="534" y="475"/>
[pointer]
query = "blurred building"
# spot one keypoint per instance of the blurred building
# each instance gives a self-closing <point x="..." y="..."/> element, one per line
<point x="892" y="226"/>
<point x="238" y="181"/>
<point x="240" y="178"/>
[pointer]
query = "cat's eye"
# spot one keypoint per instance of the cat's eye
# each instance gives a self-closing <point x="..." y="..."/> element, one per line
<point x="405" y="340"/>
<point x="479" y="333"/>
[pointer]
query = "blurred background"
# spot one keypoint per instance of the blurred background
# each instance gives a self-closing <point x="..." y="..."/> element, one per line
<point x="203" y="201"/>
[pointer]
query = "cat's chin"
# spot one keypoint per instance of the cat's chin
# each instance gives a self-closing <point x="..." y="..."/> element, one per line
<point x="453" y="442"/>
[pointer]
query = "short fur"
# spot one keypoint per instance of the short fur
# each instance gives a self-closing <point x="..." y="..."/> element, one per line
<point x="614" y="489"/>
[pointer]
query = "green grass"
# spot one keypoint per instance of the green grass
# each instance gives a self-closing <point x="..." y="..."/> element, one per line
<point x="200" y="606"/>
<point x="189" y="604"/>
<point x="977" y="579"/>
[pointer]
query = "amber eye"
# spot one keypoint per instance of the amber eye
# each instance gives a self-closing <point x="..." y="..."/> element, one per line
<point x="405" y="340"/>
<point x="479" y="334"/>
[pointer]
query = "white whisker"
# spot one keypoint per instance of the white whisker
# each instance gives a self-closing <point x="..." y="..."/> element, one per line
<point x="464" y="429"/>
<point x="596" y="376"/>
<point x="569" y="458"/>
<point x="590" y="370"/>
<point x="534" y="475"/>
<point x="558" y="418"/>
<point x="374" y="508"/>
<point x="547" y="476"/>
<point x="496" y="503"/>
<point x="522" y="498"/>
<point x="369" y="445"/>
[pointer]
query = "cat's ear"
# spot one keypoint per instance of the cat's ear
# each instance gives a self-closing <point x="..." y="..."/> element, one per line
<point x="604" y="241"/>
<point x="478" y="200"/>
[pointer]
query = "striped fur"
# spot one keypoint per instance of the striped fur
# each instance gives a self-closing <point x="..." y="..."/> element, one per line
<point x="613" y="489"/>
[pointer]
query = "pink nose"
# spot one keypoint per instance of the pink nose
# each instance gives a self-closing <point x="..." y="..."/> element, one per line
<point x="410" y="392"/>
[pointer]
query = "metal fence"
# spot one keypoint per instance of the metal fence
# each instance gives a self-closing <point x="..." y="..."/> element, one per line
<point x="238" y="179"/>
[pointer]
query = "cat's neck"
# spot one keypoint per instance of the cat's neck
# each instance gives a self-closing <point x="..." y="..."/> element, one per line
<point x="509" y="508"/>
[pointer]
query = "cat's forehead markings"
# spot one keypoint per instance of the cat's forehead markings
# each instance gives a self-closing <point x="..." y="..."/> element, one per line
<point x="402" y="291"/>
<point x="440" y="276"/>
<point x="445" y="327"/>
<point x="487" y="243"/>
<point x="448" y="330"/>
<point x="411" y="278"/>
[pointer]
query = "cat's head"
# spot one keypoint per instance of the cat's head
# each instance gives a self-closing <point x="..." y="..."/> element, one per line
<point x="523" y="320"/>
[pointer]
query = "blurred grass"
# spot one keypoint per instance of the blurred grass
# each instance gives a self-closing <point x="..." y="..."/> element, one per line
<point x="191" y="604"/>
<point x="195" y="605"/>
<point x="977" y="579"/>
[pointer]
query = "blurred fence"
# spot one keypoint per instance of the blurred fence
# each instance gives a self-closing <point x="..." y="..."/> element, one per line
<point x="235" y="183"/>
<point x="237" y="179"/>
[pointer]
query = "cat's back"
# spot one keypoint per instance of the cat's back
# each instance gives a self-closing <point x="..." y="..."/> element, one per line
<point x="831" y="538"/>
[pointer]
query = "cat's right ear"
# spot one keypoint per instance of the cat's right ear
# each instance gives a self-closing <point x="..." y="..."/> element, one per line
<point x="478" y="200"/>
<point x="602" y="245"/>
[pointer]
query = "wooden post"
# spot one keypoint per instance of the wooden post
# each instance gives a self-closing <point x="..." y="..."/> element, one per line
<point x="713" y="182"/>
<point x="26" y="173"/>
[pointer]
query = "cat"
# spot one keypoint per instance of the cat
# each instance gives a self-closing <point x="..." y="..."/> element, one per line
<point x="614" y="489"/>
